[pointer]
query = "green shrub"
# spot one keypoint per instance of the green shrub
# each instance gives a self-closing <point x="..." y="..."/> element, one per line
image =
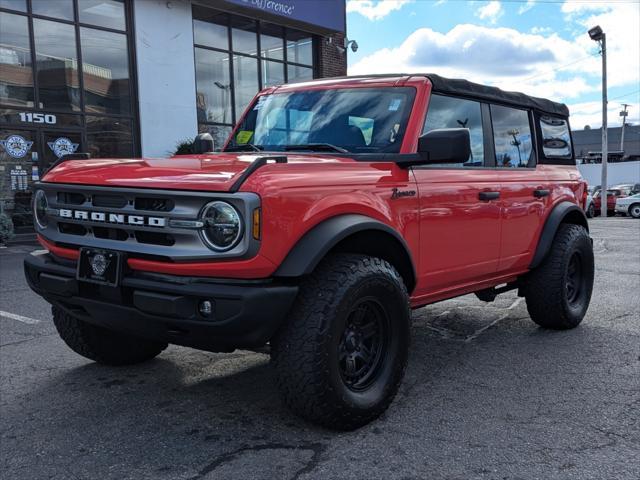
<point x="184" y="147"/>
<point x="6" y="228"/>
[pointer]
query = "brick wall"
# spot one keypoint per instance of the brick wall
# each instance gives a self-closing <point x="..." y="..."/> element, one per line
<point x="331" y="62"/>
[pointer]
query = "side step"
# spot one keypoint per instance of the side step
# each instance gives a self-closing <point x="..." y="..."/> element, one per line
<point x="490" y="294"/>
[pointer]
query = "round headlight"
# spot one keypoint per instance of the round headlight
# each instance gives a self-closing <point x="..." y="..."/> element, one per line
<point x="40" y="206"/>
<point x="222" y="226"/>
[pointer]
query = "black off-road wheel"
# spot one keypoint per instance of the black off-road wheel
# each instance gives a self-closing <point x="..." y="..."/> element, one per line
<point x="342" y="353"/>
<point x="634" y="210"/>
<point x="102" y="345"/>
<point x="558" y="291"/>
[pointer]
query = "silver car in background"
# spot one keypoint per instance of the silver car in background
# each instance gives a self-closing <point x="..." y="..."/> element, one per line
<point x="629" y="205"/>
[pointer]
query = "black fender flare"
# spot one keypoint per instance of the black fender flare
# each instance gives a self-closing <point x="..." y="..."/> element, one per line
<point x="305" y="255"/>
<point x="563" y="212"/>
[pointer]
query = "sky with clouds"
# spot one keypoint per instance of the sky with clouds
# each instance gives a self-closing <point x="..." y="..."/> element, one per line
<point x="539" y="47"/>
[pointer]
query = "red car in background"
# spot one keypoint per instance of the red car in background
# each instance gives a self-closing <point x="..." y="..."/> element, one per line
<point x="613" y="194"/>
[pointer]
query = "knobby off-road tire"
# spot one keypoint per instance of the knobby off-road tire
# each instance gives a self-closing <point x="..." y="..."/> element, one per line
<point x="559" y="290"/>
<point x="340" y="357"/>
<point x="102" y="345"/>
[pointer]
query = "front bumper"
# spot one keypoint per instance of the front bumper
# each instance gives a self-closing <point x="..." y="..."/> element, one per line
<point x="245" y="314"/>
<point x="622" y="208"/>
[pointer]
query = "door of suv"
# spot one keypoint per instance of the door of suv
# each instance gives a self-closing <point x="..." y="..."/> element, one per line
<point x="524" y="189"/>
<point x="459" y="205"/>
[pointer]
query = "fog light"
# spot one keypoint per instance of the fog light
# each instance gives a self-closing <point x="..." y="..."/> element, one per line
<point x="205" y="308"/>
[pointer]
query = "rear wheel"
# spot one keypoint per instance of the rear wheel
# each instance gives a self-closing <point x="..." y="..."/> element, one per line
<point x="341" y="356"/>
<point x="634" y="210"/>
<point x="102" y="345"/>
<point x="558" y="291"/>
<point x="591" y="211"/>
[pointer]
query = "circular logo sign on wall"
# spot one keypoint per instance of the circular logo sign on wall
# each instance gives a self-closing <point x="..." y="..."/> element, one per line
<point x="16" y="146"/>
<point x="62" y="146"/>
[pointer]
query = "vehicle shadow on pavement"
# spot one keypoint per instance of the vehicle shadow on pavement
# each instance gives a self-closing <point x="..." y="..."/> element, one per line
<point x="189" y="414"/>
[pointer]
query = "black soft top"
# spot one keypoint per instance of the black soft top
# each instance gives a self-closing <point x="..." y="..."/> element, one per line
<point x="492" y="94"/>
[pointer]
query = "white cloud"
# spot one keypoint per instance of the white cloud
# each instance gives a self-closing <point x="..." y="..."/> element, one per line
<point x="375" y="10"/>
<point x="538" y="63"/>
<point x="526" y="7"/>
<point x="492" y="11"/>
<point x="590" y="113"/>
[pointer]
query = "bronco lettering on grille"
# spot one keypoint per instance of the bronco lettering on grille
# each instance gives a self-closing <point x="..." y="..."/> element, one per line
<point x="117" y="218"/>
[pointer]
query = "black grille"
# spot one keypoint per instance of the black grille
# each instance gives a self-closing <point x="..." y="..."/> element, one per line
<point x="71" y="198"/>
<point x="154" y="204"/>
<point x="109" y="201"/>
<point x="110" y="233"/>
<point x="154" y="238"/>
<point x="72" y="228"/>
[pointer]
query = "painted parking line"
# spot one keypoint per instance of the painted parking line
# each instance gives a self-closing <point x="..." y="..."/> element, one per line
<point x="20" y="318"/>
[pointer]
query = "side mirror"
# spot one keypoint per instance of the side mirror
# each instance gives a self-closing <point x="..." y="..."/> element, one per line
<point x="445" y="145"/>
<point x="203" y="143"/>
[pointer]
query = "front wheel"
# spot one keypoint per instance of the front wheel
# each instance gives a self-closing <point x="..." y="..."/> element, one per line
<point x="558" y="291"/>
<point x="634" y="210"/>
<point x="591" y="211"/>
<point x="341" y="356"/>
<point x="102" y="345"/>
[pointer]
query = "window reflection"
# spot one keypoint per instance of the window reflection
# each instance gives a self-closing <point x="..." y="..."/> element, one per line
<point x="109" y="137"/>
<point x="272" y="73"/>
<point x="53" y="8"/>
<point x="271" y="42"/>
<point x="57" y="65"/>
<point x="210" y="28"/>
<point x="556" y="140"/>
<point x="512" y="136"/>
<point x="213" y="86"/>
<point x="19" y="5"/>
<point x="450" y="112"/>
<point x="103" y="13"/>
<point x="16" y="73"/>
<point x="105" y="66"/>
<point x="245" y="73"/>
<point x="299" y="48"/>
<point x="299" y="74"/>
<point x="243" y="36"/>
<point x="220" y="133"/>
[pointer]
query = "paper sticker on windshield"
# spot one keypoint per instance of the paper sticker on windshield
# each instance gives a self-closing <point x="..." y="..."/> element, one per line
<point x="262" y="101"/>
<point x="394" y="105"/>
<point x="243" y="137"/>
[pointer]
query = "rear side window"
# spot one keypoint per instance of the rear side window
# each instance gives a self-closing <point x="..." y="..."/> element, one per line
<point x="450" y="112"/>
<point x="512" y="137"/>
<point x="556" y="140"/>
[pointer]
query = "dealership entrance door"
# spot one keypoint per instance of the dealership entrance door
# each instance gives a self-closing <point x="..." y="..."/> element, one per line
<point x="25" y="154"/>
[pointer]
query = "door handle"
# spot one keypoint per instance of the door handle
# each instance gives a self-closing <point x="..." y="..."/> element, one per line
<point x="541" y="192"/>
<point x="488" y="196"/>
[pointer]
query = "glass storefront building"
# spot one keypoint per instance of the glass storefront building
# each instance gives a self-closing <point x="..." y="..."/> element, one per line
<point x="125" y="78"/>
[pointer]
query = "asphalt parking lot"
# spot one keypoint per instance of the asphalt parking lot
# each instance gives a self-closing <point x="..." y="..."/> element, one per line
<point x="488" y="394"/>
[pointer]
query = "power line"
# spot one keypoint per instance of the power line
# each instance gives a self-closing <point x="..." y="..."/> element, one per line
<point x="561" y="67"/>
<point x="625" y="95"/>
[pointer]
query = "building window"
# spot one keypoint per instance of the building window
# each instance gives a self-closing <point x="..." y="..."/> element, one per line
<point x="235" y="57"/>
<point x="65" y="86"/>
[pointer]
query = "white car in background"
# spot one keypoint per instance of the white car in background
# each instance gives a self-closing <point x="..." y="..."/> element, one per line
<point x="629" y="205"/>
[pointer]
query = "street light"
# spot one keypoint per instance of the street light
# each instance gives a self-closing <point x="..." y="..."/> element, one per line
<point x="597" y="35"/>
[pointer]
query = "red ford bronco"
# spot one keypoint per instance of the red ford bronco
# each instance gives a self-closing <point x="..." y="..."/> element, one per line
<point x="335" y="207"/>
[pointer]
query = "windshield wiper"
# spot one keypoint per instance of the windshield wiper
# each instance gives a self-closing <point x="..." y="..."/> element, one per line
<point x="317" y="147"/>
<point x="243" y="147"/>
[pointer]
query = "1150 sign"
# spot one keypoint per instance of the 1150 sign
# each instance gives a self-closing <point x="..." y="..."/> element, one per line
<point x="47" y="118"/>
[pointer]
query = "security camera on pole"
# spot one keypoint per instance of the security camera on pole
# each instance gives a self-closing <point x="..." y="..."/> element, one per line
<point x="597" y="35"/>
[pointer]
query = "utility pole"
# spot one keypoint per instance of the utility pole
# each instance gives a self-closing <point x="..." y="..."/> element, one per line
<point x="623" y="114"/>
<point x="596" y="34"/>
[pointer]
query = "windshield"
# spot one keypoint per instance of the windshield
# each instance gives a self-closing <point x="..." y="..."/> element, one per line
<point x="356" y="120"/>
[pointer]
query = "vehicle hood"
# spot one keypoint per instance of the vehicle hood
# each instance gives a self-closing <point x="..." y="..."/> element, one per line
<point x="212" y="173"/>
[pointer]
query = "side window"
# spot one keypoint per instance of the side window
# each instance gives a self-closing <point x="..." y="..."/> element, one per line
<point x="556" y="140"/>
<point x="450" y="112"/>
<point x="512" y="137"/>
